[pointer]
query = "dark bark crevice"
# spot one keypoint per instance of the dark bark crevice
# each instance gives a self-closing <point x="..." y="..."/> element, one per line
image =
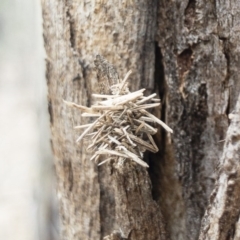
<point x="48" y="77"/>
<point x="160" y="137"/>
<point x="87" y="85"/>
<point x="50" y="110"/>
<point x="161" y="164"/>
<point x="184" y="61"/>
<point x="225" y="83"/>
<point x="70" y="176"/>
<point x="71" y="28"/>
<point x="190" y="14"/>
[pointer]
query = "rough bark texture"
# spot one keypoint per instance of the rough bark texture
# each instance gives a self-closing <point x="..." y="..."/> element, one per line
<point x="188" y="51"/>
<point x="199" y="42"/>
<point x="96" y="201"/>
<point x="220" y="219"/>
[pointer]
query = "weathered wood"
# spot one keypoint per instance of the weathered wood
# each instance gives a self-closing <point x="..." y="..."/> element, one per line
<point x="199" y="49"/>
<point x="194" y="65"/>
<point x="74" y="32"/>
<point x="220" y="219"/>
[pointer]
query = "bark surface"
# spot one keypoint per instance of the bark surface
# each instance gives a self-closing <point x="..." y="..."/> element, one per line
<point x="199" y="44"/>
<point x="96" y="201"/>
<point x="186" y="51"/>
<point x="221" y="219"/>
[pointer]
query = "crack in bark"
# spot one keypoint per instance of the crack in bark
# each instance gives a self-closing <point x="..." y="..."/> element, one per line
<point x="160" y="163"/>
<point x="184" y="60"/>
<point x="84" y="68"/>
<point x="154" y="163"/>
<point x="190" y="14"/>
<point x="50" y="110"/>
<point x="225" y="83"/>
<point x="71" y="27"/>
<point x="70" y="176"/>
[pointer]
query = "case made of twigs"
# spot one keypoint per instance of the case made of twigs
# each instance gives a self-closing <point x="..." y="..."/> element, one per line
<point x="122" y="121"/>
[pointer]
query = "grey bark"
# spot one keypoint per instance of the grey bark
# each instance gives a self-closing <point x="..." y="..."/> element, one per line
<point x="199" y="42"/>
<point x="188" y="52"/>
<point x="221" y="217"/>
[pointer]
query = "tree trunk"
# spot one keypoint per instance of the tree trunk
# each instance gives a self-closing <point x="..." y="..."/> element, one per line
<point x="187" y="52"/>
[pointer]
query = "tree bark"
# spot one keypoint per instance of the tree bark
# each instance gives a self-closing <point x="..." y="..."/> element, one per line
<point x="187" y="52"/>
<point x="199" y="42"/>
<point x="221" y="217"/>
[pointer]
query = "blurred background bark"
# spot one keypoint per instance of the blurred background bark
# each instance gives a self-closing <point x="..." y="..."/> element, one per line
<point x="28" y="207"/>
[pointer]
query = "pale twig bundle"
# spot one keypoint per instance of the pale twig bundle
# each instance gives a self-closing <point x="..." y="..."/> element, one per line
<point x="122" y="122"/>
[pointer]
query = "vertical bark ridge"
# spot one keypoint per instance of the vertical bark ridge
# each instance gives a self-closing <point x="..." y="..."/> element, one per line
<point x="78" y="188"/>
<point x="133" y="192"/>
<point x="221" y="216"/>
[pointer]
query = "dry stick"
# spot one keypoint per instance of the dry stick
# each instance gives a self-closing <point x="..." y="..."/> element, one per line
<point x="90" y="127"/>
<point x="102" y="146"/>
<point x="147" y="119"/>
<point x="128" y="99"/>
<point x="149" y="129"/>
<point x="90" y="146"/>
<point x="141" y="142"/>
<point x="125" y="109"/>
<point x="135" y="158"/>
<point x="94" y="137"/>
<point x="123" y="98"/>
<point x="91" y="114"/>
<point x="146" y="106"/>
<point x="165" y="126"/>
<point x="83" y="108"/>
<point x="128" y="138"/>
<point x="156" y="100"/>
<point x="124" y="146"/>
<point x="100" y="139"/>
<point x="124" y="81"/>
<point x="91" y="134"/>
<point x="139" y="152"/>
<point x="95" y="155"/>
<point x="100" y="108"/>
<point x="145" y="144"/>
<point x="114" y="140"/>
<point x="83" y="126"/>
<point x="129" y="118"/>
<point x="112" y="152"/>
<point x="108" y="159"/>
<point x="126" y="154"/>
<point x="119" y="118"/>
<point x="140" y="127"/>
<point x="104" y="96"/>
<point x="96" y="142"/>
<point x="153" y="142"/>
<point x="146" y="98"/>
